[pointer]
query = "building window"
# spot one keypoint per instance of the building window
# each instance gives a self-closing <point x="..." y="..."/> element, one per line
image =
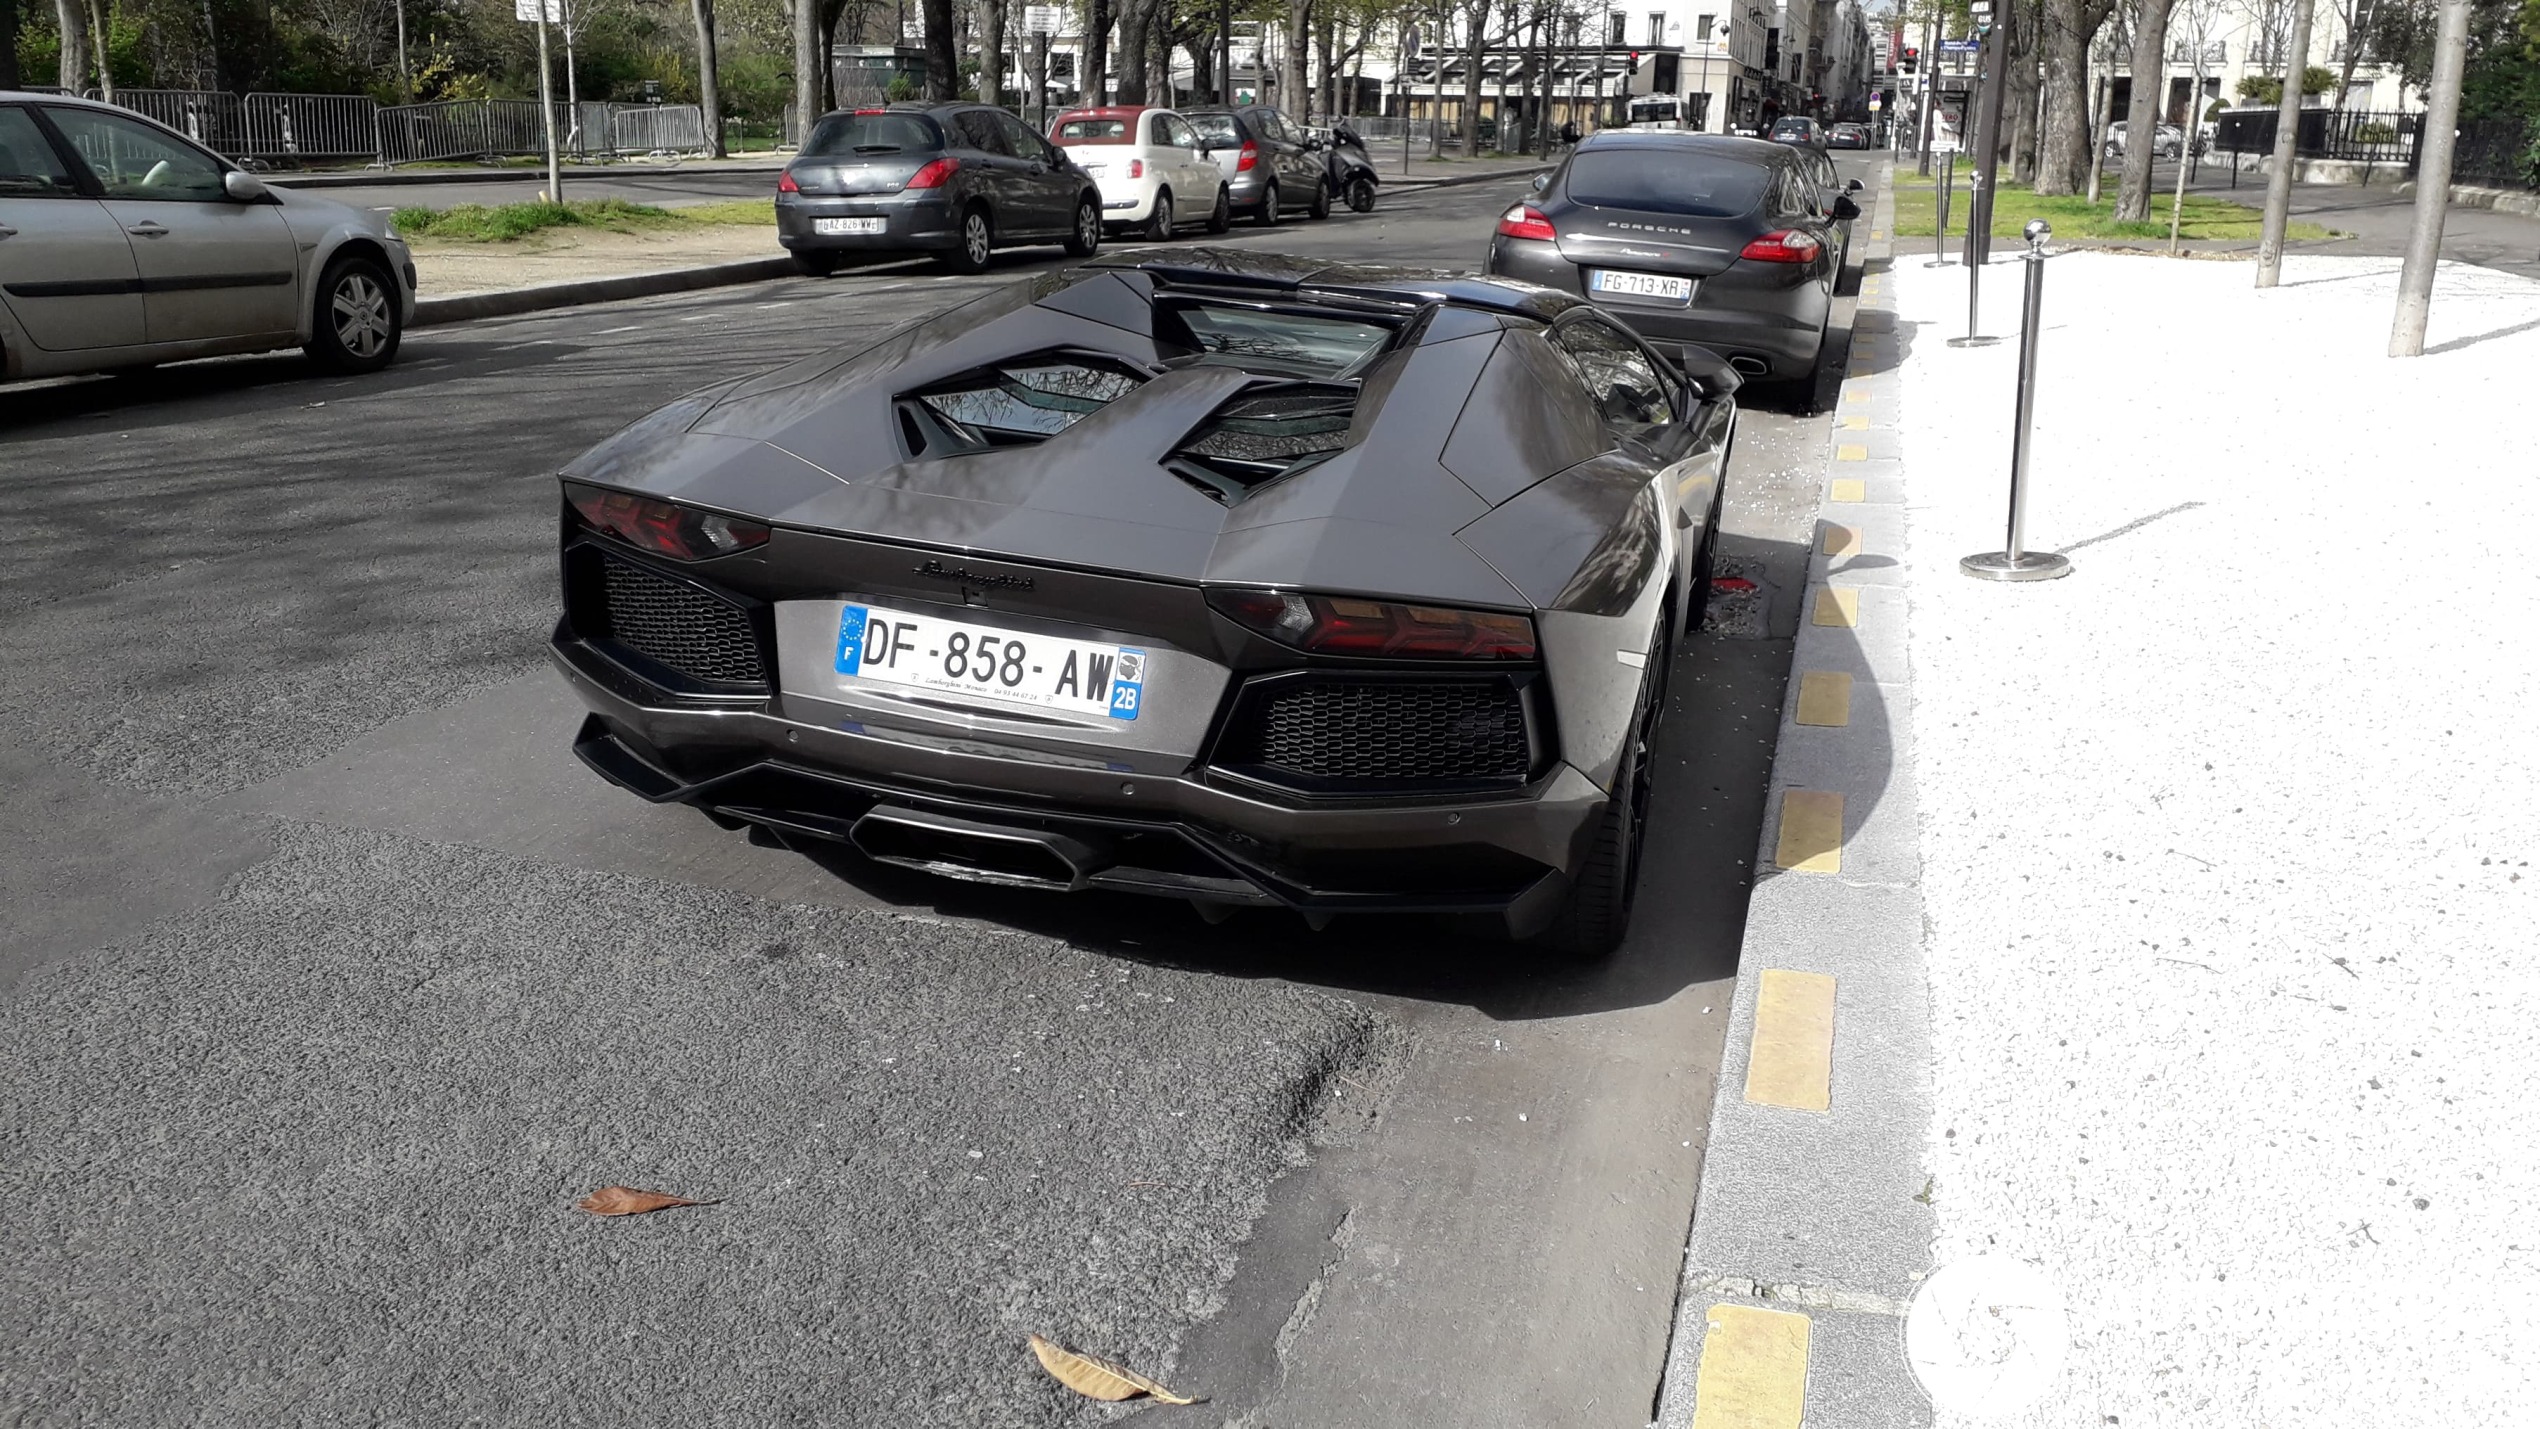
<point x="1702" y="29"/>
<point x="1657" y="28"/>
<point x="1613" y="27"/>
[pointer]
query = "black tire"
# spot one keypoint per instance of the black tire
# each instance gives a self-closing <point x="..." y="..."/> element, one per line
<point x="1362" y="194"/>
<point x="1267" y="216"/>
<point x="1597" y="912"/>
<point x="977" y="244"/>
<point x="815" y="262"/>
<point x="1221" y="217"/>
<point x="357" y="321"/>
<point x="1086" y="236"/>
<point x="1321" y="208"/>
<point x="1160" y="223"/>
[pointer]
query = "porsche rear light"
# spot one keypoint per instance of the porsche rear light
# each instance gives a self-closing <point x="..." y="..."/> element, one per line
<point x="1790" y="245"/>
<point x="785" y="183"/>
<point x="934" y="174"/>
<point x="682" y="533"/>
<point x="1247" y="156"/>
<point x="1526" y="221"/>
<point x="1343" y="625"/>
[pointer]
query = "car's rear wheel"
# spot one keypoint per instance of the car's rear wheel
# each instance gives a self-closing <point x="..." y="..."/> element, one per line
<point x="1362" y="194"/>
<point x="358" y="322"/>
<point x="1597" y="913"/>
<point x="1268" y="214"/>
<point x="1160" y="223"/>
<point x="977" y="242"/>
<point x="1086" y="236"/>
<point x="1222" y="217"/>
<point x="815" y="262"/>
<point x="1321" y="208"/>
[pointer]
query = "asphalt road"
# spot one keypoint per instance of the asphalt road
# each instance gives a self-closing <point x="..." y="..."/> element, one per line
<point x="331" y="980"/>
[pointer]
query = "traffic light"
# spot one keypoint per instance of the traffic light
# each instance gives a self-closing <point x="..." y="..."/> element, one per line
<point x="1913" y="61"/>
<point x="1635" y="69"/>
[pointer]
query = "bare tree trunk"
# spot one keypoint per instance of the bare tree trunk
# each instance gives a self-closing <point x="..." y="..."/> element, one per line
<point x="709" y="89"/>
<point x="2143" y="110"/>
<point x="2353" y="18"/>
<point x="2019" y="89"/>
<point x="2064" y="127"/>
<point x="1476" y="21"/>
<point x="943" y="60"/>
<point x="992" y="51"/>
<point x="1135" y="15"/>
<point x="101" y="45"/>
<point x="1294" y="36"/>
<point x="72" y="73"/>
<point x="2099" y="136"/>
<point x="806" y="67"/>
<point x="8" y="44"/>
<point x="2288" y="137"/>
<point x="1326" y="88"/>
<point x="1097" y="52"/>
<point x="2192" y="133"/>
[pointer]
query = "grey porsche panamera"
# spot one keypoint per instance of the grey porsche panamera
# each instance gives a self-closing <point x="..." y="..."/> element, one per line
<point x="1223" y="576"/>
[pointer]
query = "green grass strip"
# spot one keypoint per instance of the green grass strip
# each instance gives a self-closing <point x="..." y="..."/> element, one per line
<point x="510" y="222"/>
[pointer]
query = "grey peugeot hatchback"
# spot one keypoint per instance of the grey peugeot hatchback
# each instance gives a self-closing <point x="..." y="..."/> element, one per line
<point x="956" y="180"/>
<point x="1691" y="239"/>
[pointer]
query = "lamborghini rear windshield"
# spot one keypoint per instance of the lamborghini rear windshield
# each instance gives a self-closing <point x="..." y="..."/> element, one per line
<point x="1282" y="340"/>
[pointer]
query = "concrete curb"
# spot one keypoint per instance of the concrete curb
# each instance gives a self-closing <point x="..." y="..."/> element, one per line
<point x="432" y="312"/>
<point x="1812" y="1228"/>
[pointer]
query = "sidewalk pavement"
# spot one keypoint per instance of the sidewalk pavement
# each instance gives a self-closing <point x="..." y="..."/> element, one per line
<point x="2171" y="938"/>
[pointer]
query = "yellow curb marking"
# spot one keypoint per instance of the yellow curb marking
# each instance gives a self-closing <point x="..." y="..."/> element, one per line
<point x="1857" y="394"/>
<point x="1811" y="839"/>
<point x="1850" y="488"/>
<point x="1836" y="606"/>
<point x="1825" y="698"/>
<point x="1841" y="541"/>
<point x="1851" y="452"/>
<point x="1792" y="1064"/>
<point x="1875" y="235"/>
<point x="1754" y="1371"/>
<point x="1854" y="424"/>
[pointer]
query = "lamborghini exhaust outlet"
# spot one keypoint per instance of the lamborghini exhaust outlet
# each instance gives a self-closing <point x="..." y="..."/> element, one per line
<point x="980" y="853"/>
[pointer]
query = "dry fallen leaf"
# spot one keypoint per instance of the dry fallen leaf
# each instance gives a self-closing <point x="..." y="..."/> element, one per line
<point x="627" y="1201"/>
<point x="1096" y="1379"/>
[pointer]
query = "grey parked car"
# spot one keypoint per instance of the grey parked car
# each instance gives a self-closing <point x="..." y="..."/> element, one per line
<point x="1223" y="576"/>
<point x="1271" y="164"/>
<point x="956" y="180"/>
<point x="125" y="244"/>
<point x="1731" y="245"/>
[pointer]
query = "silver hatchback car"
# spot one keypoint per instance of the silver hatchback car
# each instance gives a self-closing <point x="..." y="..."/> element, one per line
<point x="124" y="244"/>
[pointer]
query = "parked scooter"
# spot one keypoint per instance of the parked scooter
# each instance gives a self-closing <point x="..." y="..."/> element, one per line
<point x="1351" y="172"/>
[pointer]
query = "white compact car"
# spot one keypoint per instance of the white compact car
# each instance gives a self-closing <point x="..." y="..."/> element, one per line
<point x="124" y="244"/>
<point x="1154" y="169"/>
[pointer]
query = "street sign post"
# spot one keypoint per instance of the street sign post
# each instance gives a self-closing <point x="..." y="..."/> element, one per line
<point x="1037" y="19"/>
<point x="539" y="14"/>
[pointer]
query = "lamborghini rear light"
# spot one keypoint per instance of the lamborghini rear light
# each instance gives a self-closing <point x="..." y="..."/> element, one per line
<point x="1344" y="625"/>
<point x="1526" y="221"/>
<point x="1246" y="157"/>
<point x="934" y="174"/>
<point x="682" y="533"/>
<point x="785" y="183"/>
<point x="1790" y="245"/>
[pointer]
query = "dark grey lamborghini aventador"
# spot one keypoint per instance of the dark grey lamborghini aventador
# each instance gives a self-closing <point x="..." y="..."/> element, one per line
<point x="1221" y="575"/>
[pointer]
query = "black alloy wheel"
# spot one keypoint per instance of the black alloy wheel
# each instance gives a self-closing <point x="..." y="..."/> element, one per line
<point x="1598" y="909"/>
<point x="1321" y="208"/>
<point x="978" y="242"/>
<point x="357" y="325"/>
<point x="1160" y="223"/>
<point x="1362" y="194"/>
<point x="1222" y="217"/>
<point x="1087" y="235"/>
<point x="1268" y="214"/>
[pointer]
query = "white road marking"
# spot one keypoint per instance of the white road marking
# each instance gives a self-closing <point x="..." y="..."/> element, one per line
<point x="612" y="332"/>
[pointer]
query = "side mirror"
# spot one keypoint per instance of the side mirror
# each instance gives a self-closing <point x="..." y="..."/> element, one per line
<point x="1709" y="372"/>
<point x="1852" y="186"/>
<point x="1844" y="209"/>
<point x="244" y="187"/>
<point x="1540" y="182"/>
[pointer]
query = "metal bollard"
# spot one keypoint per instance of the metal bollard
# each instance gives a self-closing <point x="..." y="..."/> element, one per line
<point x="1940" y="225"/>
<point x="2012" y="563"/>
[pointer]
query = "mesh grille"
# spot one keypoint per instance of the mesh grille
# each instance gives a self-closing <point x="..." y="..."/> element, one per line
<point x="1365" y="732"/>
<point x="680" y="626"/>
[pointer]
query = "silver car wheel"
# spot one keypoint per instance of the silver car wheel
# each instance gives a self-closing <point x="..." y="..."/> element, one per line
<point x="974" y="238"/>
<point x="361" y="315"/>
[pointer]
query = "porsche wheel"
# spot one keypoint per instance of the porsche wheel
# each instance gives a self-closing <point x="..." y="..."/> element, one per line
<point x="1362" y="194"/>
<point x="1160" y="223"/>
<point x="1267" y="216"/>
<point x="357" y="326"/>
<point x="1221" y="217"/>
<point x="978" y="242"/>
<point x="1086" y="236"/>
<point x="1592" y="920"/>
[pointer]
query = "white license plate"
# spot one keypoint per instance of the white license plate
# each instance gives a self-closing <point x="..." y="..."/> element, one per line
<point x="839" y="227"/>
<point x="1641" y="285"/>
<point x="954" y="657"/>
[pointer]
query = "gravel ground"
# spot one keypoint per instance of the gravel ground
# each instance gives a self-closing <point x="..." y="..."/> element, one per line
<point x="2226" y="839"/>
<point x="310" y="1156"/>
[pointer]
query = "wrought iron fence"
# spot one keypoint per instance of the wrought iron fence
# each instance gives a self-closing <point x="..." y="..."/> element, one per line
<point x="2354" y="135"/>
<point x="2500" y="152"/>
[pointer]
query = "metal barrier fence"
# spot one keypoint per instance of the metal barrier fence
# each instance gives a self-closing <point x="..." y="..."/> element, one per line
<point x="298" y="128"/>
<point x="463" y="129"/>
<point x="215" y="120"/>
<point x="653" y="128"/>
<point x="291" y="127"/>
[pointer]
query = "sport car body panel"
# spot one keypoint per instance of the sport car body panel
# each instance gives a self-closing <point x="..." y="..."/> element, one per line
<point x="1475" y="473"/>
